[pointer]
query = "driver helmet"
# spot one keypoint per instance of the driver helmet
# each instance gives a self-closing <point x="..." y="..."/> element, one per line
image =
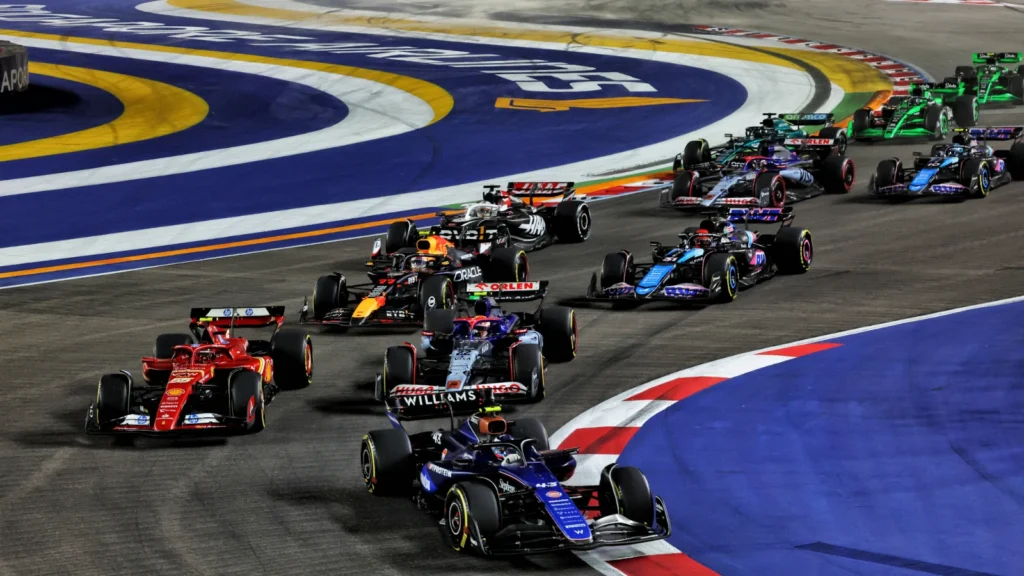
<point x="418" y="263"/>
<point x="481" y="328"/>
<point x="702" y="238"/>
<point x="482" y="211"/>
<point x="727" y="227"/>
<point x="206" y="356"/>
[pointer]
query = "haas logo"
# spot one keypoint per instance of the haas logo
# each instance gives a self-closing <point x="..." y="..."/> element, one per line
<point x="534" y="227"/>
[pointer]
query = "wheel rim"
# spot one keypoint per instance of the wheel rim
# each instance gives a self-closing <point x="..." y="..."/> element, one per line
<point x="778" y="193"/>
<point x="575" y="334"/>
<point x="308" y="353"/>
<point x="732" y="279"/>
<point x="848" y="175"/>
<point x="522" y="265"/>
<point x="806" y="251"/>
<point x="583" y="223"/>
<point x="985" y="181"/>
<point x="367" y="464"/>
<point x="454" y="518"/>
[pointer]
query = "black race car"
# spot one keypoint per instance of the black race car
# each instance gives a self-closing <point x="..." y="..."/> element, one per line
<point x="711" y="263"/>
<point x="528" y="215"/>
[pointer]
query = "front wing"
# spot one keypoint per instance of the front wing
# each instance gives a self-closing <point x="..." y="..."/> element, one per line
<point x="623" y="292"/>
<point x="386" y="316"/>
<point x="206" y="424"/>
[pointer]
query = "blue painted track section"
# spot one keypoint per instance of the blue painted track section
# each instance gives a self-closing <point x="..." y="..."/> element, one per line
<point x="68" y="107"/>
<point x="900" y="452"/>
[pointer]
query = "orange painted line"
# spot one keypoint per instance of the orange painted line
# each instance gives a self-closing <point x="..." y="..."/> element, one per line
<point x="875" y="103"/>
<point x="210" y="248"/>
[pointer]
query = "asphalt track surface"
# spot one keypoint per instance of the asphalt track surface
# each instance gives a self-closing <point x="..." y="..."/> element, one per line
<point x="290" y="500"/>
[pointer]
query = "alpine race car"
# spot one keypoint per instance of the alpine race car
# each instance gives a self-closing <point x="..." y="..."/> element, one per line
<point x="482" y="351"/>
<point x="774" y="129"/>
<point x="965" y="168"/>
<point x="763" y="174"/>
<point x="987" y="79"/>
<point x="405" y="284"/>
<point x="497" y="486"/>
<point x="206" y="381"/>
<point x="527" y="215"/>
<point x="711" y="263"/>
<point x="919" y="114"/>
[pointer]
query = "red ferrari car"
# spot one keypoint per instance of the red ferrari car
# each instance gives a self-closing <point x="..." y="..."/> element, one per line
<point x="207" y="381"/>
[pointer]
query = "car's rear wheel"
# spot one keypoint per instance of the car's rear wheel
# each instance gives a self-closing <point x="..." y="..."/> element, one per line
<point x="163" y="349"/>
<point x="292" y="353"/>
<point x="625" y="490"/>
<point x="572" y="221"/>
<point x="560" y="332"/>
<point x="385" y="457"/>
<point x="245" y="395"/>
<point x="533" y="429"/>
<point x="793" y="250"/>
<point x="837" y="134"/>
<point x="468" y="502"/>
<point x="965" y="110"/>
<point x="1015" y="86"/>
<point x="508" y="265"/>
<point x="329" y="293"/>
<point x="965" y="72"/>
<point x="837" y="175"/>
<point x="861" y="122"/>
<point x="695" y="152"/>
<point x="1015" y="161"/>
<point x="528" y="369"/>
<point x="437" y="292"/>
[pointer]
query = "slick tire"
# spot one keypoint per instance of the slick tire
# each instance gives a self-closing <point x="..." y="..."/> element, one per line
<point x="625" y="490"/>
<point x="466" y="503"/>
<point x="965" y="72"/>
<point x="437" y="292"/>
<point x="329" y="293"/>
<point x="980" y="168"/>
<point x="937" y="122"/>
<point x="245" y="399"/>
<point x="837" y="175"/>
<point x="861" y="122"/>
<point x="113" y="397"/>
<point x="399" y="367"/>
<point x="531" y="428"/>
<point x="888" y="173"/>
<point x="770" y="189"/>
<point x="163" y="349"/>
<point x="401" y="234"/>
<point x="573" y="221"/>
<point x="560" y="332"/>
<point x="385" y="457"/>
<point x="1015" y="161"/>
<point x="528" y="369"/>
<point x="508" y="265"/>
<point x="617" y="268"/>
<point x="793" y="250"/>
<point x="683" y="186"/>
<point x="727" y="271"/>
<point x="965" y="111"/>
<point x="695" y="152"/>
<point x="292" y="353"/>
<point x="1015" y="86"/>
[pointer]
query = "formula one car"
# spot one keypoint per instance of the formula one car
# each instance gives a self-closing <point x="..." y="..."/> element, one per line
<point x="207" y="381"/>
<point x="527" y="215"/>
<point x="965" y="168"/>
<point x="405" y="284"/>
<point x="496" y="486"/>
<point x="711" y="263"/>
<point x="698" y="154"/>
<point x="481" y="351"/>
<point x="920" y="114"/>
<point x="987" y="79"/>
<point x="765" y="174"/>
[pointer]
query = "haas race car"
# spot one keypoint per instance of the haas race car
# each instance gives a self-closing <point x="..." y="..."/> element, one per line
<point x="481" y="352"/>
<point x="527" y="215"/>
<point x="406" y="283"/>
<point x="207" y="381"/>
<point x="711" y="263"/>
<point x="496" y="486"/>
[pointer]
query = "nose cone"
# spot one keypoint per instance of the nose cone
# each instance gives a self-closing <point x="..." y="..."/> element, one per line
<point x="170" y="407"/>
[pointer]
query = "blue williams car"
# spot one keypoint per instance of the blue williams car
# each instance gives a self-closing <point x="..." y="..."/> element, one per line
<point x="497" y="487"/>
<point x="711" y="263"/>
<point x="488" y="349"/>
<point x="967" y="168"/>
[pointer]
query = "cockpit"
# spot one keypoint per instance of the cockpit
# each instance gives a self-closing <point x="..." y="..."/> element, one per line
<point x="186" y="356"/>
<point x="478" y="328"/>
<point x="481" y="211"/>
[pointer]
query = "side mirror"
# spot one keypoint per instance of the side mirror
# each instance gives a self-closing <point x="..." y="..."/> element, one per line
<point x="656" y="244"/>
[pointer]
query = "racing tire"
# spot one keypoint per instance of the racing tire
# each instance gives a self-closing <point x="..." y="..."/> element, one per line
<point x="245" y="399"/>
<point x="401" y="234"/>
<point x="508" y="265"/>
<point x="861" y="122"/>
<point x="695" y="152"/>
<point x="573" y="221"/>
<point x="725" y="268"/>
<point x="528" y="369"/>
<point x="533" y="429"/>
<point x="113" y="397"/>
<point x="835" y="133"/>
<point x="437" y="292"/>
<point x="977" y="167"/>
<point x="683" y="186"/>
<point x="163" y="349"/>
<point x="966" y="72"/>
<point x="399" y="367"/>
<point x="617" y="268"/>
<point x="937" y="122"/>
<point x="1015" y="86"/>
<point x="1015" y="161"/>
<point x="950" y="80"/>
<point x="888" y="173"/>
<point x="625" y="490"/>
<point x="965" y="110"/>
<point x="772" y="185"/>
<point x="291" y="350"/>
<point x="560" y="332"/>
<point x="793" y="250"/>
<point x="439" y="321"/>
<point x="466" y="503"/>
<point x="329" y="293"/>
<point x="837" y="175"/>
<point x="385" y="457"/>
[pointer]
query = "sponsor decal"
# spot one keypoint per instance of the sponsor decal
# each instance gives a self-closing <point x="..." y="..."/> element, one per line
<point x="505" y="286"/>
<point x="425" y="482"/>
<point x="439" y="470"/>
<point x="431" y="302"/>
<point x="14" y="80"/>
<point x="175" y="391"/>
<point x="502" y="387"/>
<point x="506" y="487"/>
<point x="435" y="399"/>
<point x="192" y="419"/>
<point x="466" y="274"/>
<point x="398" y="314"/>
<point x="554" y="494"/>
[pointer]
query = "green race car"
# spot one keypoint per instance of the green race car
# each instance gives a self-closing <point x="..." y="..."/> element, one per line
<point x="921" y="114"/>
<point x="988" y="79"/>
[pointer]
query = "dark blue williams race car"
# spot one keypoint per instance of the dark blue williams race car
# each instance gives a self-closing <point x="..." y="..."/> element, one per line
<point x="506" y="353"/>
<point x="496" y="486"/>
<point x="711" y="264"/>
<point x="967" y="168"/>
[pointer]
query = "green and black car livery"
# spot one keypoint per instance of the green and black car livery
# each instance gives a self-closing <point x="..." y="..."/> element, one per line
<point x="920" y="114"/>
<point x="988" y="79"/>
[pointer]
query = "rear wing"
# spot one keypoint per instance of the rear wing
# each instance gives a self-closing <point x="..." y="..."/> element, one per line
<point x="228" y="317"/>
<point x="993" y="132"/>
<point x="809" y="119"/>
<point x="507" y="291"/>
<point x="542" y="192"/>
<point x="1001" y="57"/>
<point x="810" y="142"/>
<point x="746" y="215"/>
<point x="420" y="402"/>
